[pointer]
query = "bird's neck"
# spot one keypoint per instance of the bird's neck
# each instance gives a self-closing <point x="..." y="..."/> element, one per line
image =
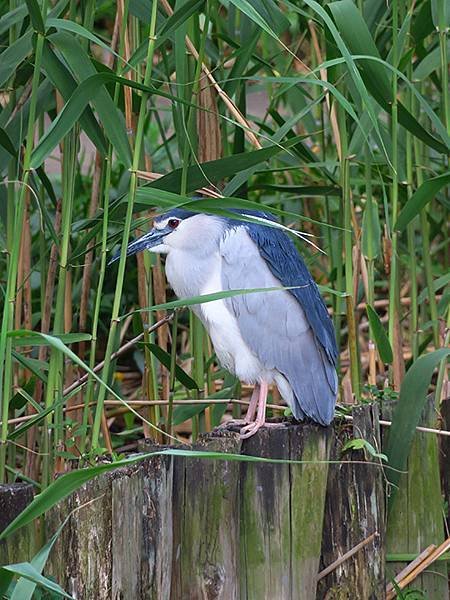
<point x="189" y="273"/>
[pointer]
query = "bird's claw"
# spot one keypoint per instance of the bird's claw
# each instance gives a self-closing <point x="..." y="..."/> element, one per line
<point x="255" y="426"/>
<point x="250" y="430"/>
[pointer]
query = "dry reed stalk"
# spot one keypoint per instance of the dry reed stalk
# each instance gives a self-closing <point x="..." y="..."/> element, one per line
<point x="356" y="258"/>
<point x="109" y="59"/>
<point x="224" y="97"/>
<point x="149" y="176"/>
<point x="384" y="302"/>
<point x="127" y="91"/>
<point x="143" y="284"/>
<point x="337" y="563"/>
<point x="190" y="401"/>
<point x="23" y="306"/>
<point x="104" y="423"/>
<point x="387" y="252"/>
<point x="160" y="297"/>
<point x="25" y="96"/>
<point x="347" y="392"/>
<point x="87" y="270"/>
<point x="31" y="464"/>
<point x="71" y="371"/>
<point x="409" y="568"/>
<point x="68" y="374"/>
<point x="115" y="355"/>
<point x="383" y="423"/>
<point x="352" y="334"/>
<point x="424" y="564"/>
<point x="208" y="124"/>
<point x="93" y="207"/>
<point x="324" y="77"/>
<point x="372" y="364"/>
<point x="27" y="304"/>
<point x="398" y="363"/>
<point x="209" y="148"/>
<point x="138" y="403"/>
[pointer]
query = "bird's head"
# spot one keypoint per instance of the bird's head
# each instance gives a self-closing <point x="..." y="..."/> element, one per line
<point x="176" y="228"/>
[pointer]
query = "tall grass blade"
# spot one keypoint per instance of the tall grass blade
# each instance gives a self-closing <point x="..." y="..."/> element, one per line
<point x="408" y="411"/>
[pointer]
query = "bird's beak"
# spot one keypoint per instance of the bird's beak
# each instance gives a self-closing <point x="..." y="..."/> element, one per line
<point x="145" y="242"/>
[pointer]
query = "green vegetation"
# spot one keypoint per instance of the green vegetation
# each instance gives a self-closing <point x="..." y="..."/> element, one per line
<point x="334" y="115"/>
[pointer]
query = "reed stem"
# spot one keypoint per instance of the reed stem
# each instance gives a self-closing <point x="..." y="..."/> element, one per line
<point x="10" y="294"/>
<point x="127" y="226"/>
<point x="393" y="279"/>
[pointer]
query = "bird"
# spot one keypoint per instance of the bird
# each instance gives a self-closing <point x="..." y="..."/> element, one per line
<point x="284" y="336"/>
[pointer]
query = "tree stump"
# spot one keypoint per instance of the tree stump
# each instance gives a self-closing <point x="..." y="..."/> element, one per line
<point x="282" y="509"/>
<point x="19" y="547"/>
<point x="142" y="530"/>
<point x="206" y="523"/>
<point x="191" y="528"/>
<point x="354" y="511"/>
<point x="117" y="543"/>
<point x="81" y="559"/>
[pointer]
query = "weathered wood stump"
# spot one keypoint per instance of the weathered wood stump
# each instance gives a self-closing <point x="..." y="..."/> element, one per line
<point x="416" y="518"/>
<point x="206" y="522"/>
<point x="191" y="528"/>
<point x="354" y="512"/>
<point x="444" y="456"/>
<point x="282" y="509"/>
<point x="179" y="527"/>
<point x="142" y="530"/>
<point x="19" y="547"/>
<point x="117" y="544"/>
<point x="82" y="557"/>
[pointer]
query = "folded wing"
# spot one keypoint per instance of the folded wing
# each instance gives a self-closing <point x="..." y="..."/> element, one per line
<point x="289" y="331"/>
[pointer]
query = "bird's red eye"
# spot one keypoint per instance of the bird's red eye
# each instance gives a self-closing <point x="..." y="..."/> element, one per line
<point x="173" y="223"/>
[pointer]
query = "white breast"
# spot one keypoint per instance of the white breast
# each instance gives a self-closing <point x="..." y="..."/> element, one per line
<point x="190" y="278"/>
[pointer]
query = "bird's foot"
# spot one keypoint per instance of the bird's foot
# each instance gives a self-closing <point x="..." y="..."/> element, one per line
<point x="258" y="401"/>
<point x="250" y="430"/>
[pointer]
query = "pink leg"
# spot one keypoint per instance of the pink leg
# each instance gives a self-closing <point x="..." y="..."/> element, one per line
<point x="251" y="411"/>
<point x="253" y="427"/>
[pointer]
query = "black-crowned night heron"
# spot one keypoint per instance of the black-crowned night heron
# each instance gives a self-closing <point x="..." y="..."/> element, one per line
<point x="282" y="337"/>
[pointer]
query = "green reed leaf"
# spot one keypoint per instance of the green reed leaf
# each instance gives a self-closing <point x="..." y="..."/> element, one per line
<point x="421" y="197"/>
<point x="406" y="417"/>
<point x="380" y="336"/>
<point x="35" y="15"/>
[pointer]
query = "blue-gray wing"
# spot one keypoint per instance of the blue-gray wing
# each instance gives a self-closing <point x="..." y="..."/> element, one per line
<point x="276" y="329"/>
